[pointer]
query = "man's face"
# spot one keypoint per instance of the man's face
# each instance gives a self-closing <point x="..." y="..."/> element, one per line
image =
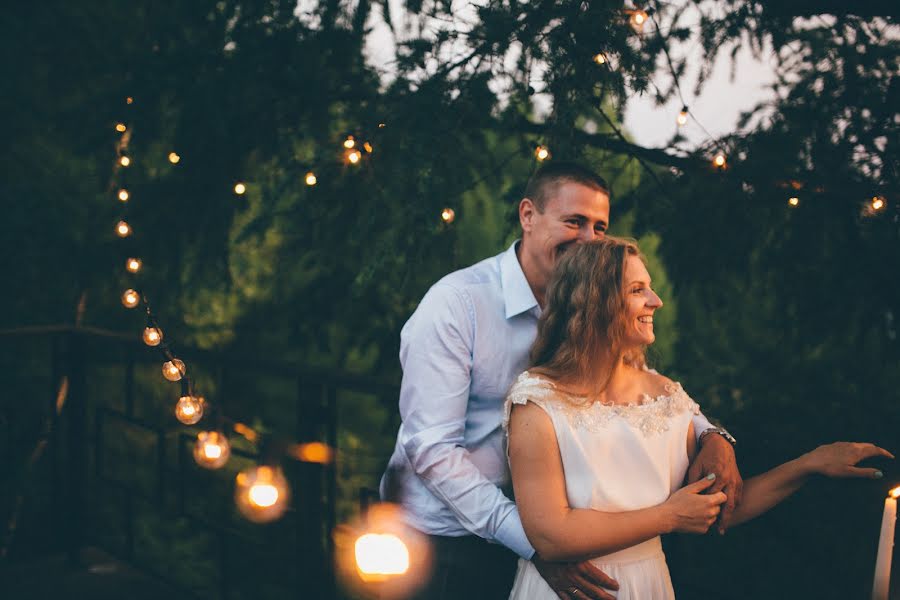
<point x="574" y="213"/>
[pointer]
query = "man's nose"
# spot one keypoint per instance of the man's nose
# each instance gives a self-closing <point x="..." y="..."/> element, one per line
<point x="588" y="234"/>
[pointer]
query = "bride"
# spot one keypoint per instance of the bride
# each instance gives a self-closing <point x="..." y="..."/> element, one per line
<point x="599" y="444"/>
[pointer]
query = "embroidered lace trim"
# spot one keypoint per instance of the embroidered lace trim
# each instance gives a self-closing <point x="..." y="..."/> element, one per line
<point x="650" y="415"/>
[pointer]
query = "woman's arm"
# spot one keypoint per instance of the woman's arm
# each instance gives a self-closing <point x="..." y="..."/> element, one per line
<point x="559" y="532"/>
<point x="834" y="460"/>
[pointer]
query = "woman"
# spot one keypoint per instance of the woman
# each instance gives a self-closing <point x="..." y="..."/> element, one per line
<point x="599" y="444"/>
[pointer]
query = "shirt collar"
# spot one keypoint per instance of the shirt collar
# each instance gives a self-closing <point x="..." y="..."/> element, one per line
<point x="517" y="294"/>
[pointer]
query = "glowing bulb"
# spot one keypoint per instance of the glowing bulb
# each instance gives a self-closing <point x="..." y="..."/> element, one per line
<point x="189" y="409"/>
<point x="381" y="126"/>
<point x="682" y="117"/>
<point x="120" y="127"/>
<point x="123" y="195"/>
<point x="541" y="153"/>
<point x="793" y="200"/>
<point x="311" y="178"/>
<point x="262" y="493"/>
<point x="123" y="229"/>
<point x="719" y="160"/>
<point x="174" y="158"/>
<point x="638" y="18"/>
<point x="349" y="142"/>
<point x="380" y="556"/>
<point x="353" y="156"/>
<point x="133" y="265"/>
<point x="173" y="370"/>
<point x="878" y="203"/>
<point x="124" y="161"/>
<point x="130" y="298"/>
<point x="239" y="188"/>
<point x="152" y="336"/>
<point x="211" y="449"/>
<point x="600" y="58"/>
<point x="368" y="147"/>
<point x="129" y="100"/>
<point x="447" y="215"/>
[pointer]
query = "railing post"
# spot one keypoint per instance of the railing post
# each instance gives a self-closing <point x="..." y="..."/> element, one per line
<point x="76" y="450"/>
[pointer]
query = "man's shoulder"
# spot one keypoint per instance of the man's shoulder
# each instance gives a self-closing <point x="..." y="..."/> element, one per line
<point x="483" y="273"/>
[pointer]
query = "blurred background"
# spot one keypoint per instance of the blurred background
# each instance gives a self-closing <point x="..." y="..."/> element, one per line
<point x="300" y="173"/>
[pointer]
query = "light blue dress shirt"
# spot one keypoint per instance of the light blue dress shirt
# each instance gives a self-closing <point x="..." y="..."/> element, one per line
<point x="460" y="351"/>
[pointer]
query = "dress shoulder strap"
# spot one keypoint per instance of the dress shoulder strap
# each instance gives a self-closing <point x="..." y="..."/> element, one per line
<point x="528" y="388"/>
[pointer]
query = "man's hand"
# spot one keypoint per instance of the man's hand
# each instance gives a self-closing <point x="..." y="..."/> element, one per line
<point x="717" y="456"/>
<point x="576" y="581"/>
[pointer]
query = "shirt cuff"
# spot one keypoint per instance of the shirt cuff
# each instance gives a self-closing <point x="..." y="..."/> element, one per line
<point x="512" y="535"/>
<point x="701" y="424"/>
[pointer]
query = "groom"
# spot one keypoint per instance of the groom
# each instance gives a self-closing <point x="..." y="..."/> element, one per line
<point x="460" y="351"/>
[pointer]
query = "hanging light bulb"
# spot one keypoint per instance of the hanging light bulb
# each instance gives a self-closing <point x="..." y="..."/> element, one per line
<point x="349" y="142"/>
<point x="124" y="160"/>
<point x="152" y="336"/>
<point x="130" y="298"/>
<point x="368" y="147"/>
<point x="120" y="127"/>
<point x="353" y="156"/>
<point x="212" y="449"/>
<point x="381" y="126"/>
<point x="174" y="158"/>
<point x="719" y="161"/>
<point x="239" y="188"/>
<point x="311" y="179"/>
<point x="794" y="201"/>
<point x="262" y="493"/>
<point x="123" y="195"/>
<point x="123" y="229"/>
<point x="189" y="409"/>
<point x="382" y="552"/>
<point x="878" y="202"/>
<point x="682" y="117"/>
<point x="637" y="19"/>
<point x="173" y="370"/>
<point x="541" y="153"/>
<point x="600" y="58"/>
<point x="129" y="100"/>
<point x="133" y="265"/>
<point x="448" y="215"/>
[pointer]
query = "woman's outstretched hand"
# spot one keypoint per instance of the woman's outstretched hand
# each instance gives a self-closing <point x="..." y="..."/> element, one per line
<point x="840" y="459"/>
<point x="690" y="510"/>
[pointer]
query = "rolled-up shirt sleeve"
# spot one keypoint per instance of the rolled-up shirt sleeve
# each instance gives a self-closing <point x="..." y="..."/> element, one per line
<point x="436" y="355"/>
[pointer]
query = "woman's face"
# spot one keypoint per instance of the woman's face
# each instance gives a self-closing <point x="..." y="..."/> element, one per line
<point x="640" y="304"/>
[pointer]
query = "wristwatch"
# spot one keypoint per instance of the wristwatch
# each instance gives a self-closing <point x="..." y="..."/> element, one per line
<point x="719" y="430"/>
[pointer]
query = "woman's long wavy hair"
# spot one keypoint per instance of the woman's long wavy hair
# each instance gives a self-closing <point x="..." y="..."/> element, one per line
<point x="581" y="330"/>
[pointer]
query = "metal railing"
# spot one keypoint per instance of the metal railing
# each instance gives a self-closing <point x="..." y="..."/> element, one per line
<point x="103" y="444"/>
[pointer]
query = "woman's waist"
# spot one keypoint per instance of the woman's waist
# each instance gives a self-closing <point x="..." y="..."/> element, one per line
<point x="652" y="548"/>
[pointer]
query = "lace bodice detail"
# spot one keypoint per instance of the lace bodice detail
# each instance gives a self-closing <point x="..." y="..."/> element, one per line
<point x="651" y="415"/>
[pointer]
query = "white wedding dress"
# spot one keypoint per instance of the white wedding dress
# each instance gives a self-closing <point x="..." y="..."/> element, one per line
<point x="616" y="458"/>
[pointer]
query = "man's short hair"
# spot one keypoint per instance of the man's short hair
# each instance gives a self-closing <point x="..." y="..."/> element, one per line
<point x="545" y="181"/>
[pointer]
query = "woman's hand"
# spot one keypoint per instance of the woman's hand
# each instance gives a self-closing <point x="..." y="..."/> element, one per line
<point x="840" y="459"/>
<point x="689" y="510"/>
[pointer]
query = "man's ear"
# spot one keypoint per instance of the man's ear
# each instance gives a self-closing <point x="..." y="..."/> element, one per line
<point x="527" y="211"/>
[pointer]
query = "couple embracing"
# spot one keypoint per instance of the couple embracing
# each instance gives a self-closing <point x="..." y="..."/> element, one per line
<point x="525" y="373"/>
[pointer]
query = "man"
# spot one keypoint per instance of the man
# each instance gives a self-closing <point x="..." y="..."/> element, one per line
<point x="460" y="351"/>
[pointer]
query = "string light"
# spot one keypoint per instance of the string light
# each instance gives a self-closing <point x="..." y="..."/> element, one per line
<point x="152" y="336"/>
<point x="239" y="188"/>
<point x="353" y="156"/>
<point x="381" y="126"/>
<point x="682" y="117"/>
<point x="174" y="158"/>
<point x="719" y="161"/>
<point x="123" y="195"/>
<point x="541" y="153"/>
<point x="133" y="265"/>
<point x="349" y="142"/>
<point x="120" y="127"/>
<point x="793" y="200"/>
<point x="448" y="215"/>
<point x="878" y="202"/>
<point x="189" y="409"/>
<point x="129" y="100"/>
<point x="130" y="298"/>
<point x="637" y="19"/>
<point x="311" y="179"/>
<point x="173" y="370"/>
<point x="367" y="147"/>
<point x="380" y="556"/>
<point x="124" y="160"/>
<point x="600" y="58"/>
<point x="312" y="452"/>
<point x="262" y="493"/>
<point x="123" y="229"/>
<point x="212" y="449"/>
